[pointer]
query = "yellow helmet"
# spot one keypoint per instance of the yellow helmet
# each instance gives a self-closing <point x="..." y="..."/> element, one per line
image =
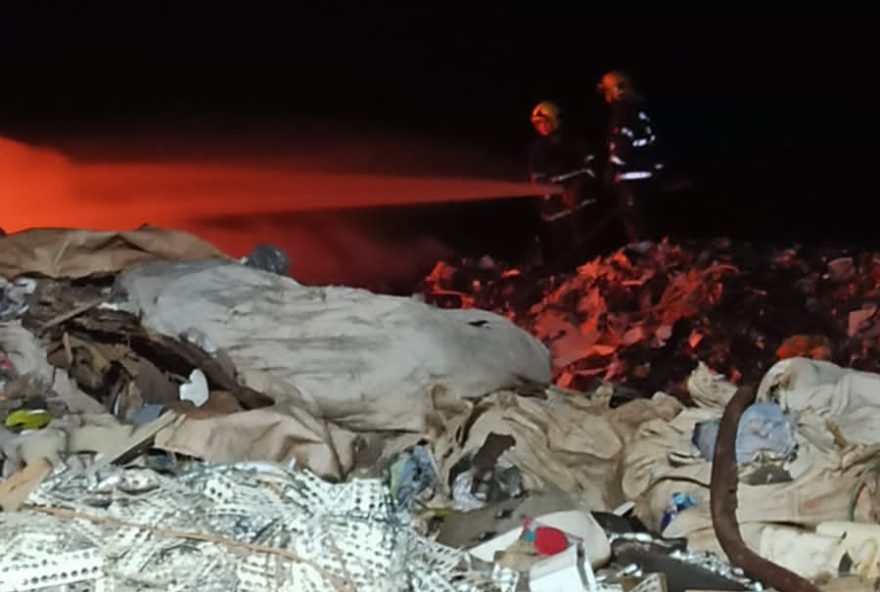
<point x="546" y="110"/>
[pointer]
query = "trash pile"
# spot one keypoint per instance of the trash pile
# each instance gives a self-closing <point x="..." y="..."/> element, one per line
<point x="645" y="315"/>
<point x="176" y="419"/>
<point x="249" y="526"/>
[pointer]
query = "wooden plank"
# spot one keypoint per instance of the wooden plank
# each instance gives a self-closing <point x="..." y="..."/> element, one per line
<point x="15" y="490"/>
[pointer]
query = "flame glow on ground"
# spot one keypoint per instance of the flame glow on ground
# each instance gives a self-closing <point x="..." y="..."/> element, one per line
<point x="44" y="188"/>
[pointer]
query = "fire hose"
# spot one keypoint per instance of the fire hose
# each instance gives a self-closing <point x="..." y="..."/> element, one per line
<point x="572" y="174"/>
<point x="723" y="504"/>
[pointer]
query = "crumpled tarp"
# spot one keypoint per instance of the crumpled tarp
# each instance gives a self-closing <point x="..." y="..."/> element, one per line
<point x="564" y="443"/>
<point x="819" y="554"/>
<point x="824" y="473"/>
<point x="561" y="442"/>
<point x="251" y="527"/>
<point x="365" y="361"/>
<point x="282" y="433"/>
<point x="820" y="391"/>
<point x="71" y="253"/>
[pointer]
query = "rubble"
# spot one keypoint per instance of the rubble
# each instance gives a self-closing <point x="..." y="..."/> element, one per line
<point x="13" y="297"/>
<point x="644" y="316"/>
<point x="197" y="422"/>
<point x="240" y="527"/>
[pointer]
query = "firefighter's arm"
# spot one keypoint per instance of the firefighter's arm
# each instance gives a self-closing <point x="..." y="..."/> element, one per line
<point x="539" y="178"/>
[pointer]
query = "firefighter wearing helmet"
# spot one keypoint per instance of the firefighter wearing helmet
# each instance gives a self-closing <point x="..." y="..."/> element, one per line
<point x="633" y="160"/>
<point x="559" y="157"/>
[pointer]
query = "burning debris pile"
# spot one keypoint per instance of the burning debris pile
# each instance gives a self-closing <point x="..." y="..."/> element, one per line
<point x="644" y="317"/>
<point x="176" y="419"/>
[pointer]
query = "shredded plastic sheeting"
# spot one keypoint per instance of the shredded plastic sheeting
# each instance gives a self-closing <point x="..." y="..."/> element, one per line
<point x="249" y="527"/>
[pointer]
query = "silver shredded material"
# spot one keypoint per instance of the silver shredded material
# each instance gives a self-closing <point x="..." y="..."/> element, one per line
<point x="704" y="559"/>
<point x="250" y="527"/>
<point x="714" y="563"/>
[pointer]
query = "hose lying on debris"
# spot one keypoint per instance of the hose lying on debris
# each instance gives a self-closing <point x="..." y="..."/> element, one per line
<point x="723" y="504"/>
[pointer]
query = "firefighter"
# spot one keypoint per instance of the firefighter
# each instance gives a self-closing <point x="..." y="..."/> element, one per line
<point x="559" y="157"/>
<point x="633" y="160"/>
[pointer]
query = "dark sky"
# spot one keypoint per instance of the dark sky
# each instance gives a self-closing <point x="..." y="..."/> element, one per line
<point x="734" y="95"/>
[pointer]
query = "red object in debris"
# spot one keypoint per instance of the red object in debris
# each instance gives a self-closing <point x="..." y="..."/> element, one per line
<point x="549" y="541"/>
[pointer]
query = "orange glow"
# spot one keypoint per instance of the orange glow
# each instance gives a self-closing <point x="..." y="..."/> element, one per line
<point x="42" y="188"/>
<point x="817" y="347"/>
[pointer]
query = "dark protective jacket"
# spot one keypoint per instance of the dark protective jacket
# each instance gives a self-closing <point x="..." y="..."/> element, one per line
<point x="633" y="153"/>
<point x="563" y="159"/>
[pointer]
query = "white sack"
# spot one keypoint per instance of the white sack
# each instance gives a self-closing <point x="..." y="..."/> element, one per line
<point x="370" y="362"/>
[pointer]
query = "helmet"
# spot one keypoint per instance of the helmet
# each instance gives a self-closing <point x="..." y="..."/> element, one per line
<point x="615" y="85"/>
<point x="547" y="111"/>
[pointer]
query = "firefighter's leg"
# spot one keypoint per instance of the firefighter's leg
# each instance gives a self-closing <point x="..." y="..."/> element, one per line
<point x="552" y="227"/>
<point x="630" y="211"/>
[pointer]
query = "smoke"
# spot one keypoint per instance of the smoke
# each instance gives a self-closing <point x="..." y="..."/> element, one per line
<point x="332" y="248"/>
<point x="307" y="197"/>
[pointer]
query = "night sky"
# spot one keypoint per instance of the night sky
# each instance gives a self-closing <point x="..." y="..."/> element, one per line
<point x="764" y="112"/>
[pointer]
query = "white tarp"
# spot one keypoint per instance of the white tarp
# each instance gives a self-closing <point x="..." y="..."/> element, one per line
<point x="836" y="412"/>
<point x="821" y="392"/>
<point x="366" y="361"/>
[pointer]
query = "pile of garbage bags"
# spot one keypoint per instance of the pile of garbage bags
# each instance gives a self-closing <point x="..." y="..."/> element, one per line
<point x="174" y="418"/>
